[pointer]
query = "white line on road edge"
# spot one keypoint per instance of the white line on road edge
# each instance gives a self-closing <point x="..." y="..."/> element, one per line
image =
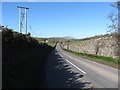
<point x="76" y="67"/>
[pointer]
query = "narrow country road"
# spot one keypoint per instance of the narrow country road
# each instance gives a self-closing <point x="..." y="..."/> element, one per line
<point x="65" y="70"/>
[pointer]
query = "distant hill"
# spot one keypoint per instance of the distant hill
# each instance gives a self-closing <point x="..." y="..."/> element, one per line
<point x="67" y="37"/>
<point x="55" y="39"/>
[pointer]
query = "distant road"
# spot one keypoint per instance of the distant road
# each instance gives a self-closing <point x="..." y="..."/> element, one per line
<point x="65" y="70"/>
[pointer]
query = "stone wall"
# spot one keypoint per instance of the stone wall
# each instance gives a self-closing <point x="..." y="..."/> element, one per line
<point x="102" y="46"/>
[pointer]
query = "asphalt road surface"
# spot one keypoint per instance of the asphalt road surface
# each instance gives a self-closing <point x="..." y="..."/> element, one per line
<point x="65" y="70"/>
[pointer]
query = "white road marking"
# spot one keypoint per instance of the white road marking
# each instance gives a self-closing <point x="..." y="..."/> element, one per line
<point x="61" y="55"/>
<point x="73" y="64"/>
<point x="76" y="67"/>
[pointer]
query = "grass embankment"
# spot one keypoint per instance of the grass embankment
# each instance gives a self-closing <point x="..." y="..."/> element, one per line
<point x="23" y="60"/>
<point x="74" y="42"/>
<point x="113" y="62"/>
<point x="52" y="44"/>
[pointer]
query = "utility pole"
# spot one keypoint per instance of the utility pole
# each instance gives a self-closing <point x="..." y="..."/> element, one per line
<point x="26" y="20"/>
<point x="21" y="17"/>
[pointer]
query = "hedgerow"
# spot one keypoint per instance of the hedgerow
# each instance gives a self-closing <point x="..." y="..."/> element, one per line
<point x="23" y="60"/>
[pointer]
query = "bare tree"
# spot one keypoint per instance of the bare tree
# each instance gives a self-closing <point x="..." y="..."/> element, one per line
<point x="115" y="26"/>
<point x="114" y="18"/>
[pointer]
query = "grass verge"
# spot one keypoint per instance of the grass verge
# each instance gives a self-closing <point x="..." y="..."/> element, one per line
<point x="113" y="62"/>
<point x="52" y="44"/>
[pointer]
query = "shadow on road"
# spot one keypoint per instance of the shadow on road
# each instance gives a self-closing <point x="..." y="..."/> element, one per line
<point x="61" y="75"/>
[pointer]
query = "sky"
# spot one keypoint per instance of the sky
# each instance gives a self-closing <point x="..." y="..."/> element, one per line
<point x="60" y="19"/>
<point x="59" y="0"/>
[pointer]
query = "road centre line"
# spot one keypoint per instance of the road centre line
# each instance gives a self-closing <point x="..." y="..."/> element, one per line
<point x="76" y="67"/>
<point x="73" y="64"/>
<point x="61" y="55"/>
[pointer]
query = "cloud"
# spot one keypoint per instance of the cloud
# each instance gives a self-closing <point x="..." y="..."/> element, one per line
<point x="59" y="0"/>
